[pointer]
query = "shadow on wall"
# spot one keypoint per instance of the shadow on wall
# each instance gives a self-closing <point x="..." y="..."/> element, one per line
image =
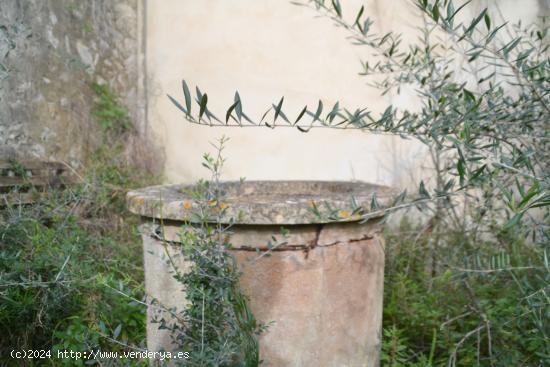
<point x="266" y="50"/>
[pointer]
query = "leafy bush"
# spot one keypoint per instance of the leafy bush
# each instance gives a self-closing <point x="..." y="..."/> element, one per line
<point x="58" y="275"/>
<point x="71" y="275"/>
<point x="485" y="306"/>
<point x="108" y="111"/>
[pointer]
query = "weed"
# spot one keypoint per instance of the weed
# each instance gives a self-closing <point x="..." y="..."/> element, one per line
<point x="219" y="328"/>
<point x="107" y="110"/>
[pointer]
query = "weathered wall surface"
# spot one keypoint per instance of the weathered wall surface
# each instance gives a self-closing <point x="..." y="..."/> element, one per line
<point x="267" y="49"/>
<point x="50" y="52"/>
<point x="51" y="49"/>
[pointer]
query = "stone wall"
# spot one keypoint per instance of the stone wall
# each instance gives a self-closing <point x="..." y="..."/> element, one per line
<point x="50" y="52"/>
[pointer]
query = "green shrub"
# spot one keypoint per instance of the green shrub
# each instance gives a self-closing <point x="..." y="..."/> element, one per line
<point x="486" y="304"/>
<point x="71" y="273"/>
<point x="108" y="111"/>
<point x="59" y="277"/>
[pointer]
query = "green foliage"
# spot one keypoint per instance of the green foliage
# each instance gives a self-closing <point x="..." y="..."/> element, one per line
<point x="486" y="306"/>
<point x="71" y="270"/>
<point x="396" y="353"/>
<point x="34" y="296"/>
<point x="219" y="328"/>
<point x="108" y="111"/>
<point x="56" y="275"/>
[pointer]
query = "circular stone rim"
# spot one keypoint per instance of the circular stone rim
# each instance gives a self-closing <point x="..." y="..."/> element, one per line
<point x="170" y="202"/>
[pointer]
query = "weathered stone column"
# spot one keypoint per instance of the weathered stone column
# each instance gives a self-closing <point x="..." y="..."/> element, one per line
<point x="321" y="291"/>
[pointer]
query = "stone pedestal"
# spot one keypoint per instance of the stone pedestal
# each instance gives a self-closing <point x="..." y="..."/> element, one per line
<point x="321" y="292"/>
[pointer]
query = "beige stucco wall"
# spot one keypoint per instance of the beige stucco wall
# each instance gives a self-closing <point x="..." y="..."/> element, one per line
<point x="267" y="49"/>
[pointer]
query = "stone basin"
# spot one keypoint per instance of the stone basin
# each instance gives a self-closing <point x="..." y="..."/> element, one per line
<point x="321" y="293"/>
<point x="262" y="202"/>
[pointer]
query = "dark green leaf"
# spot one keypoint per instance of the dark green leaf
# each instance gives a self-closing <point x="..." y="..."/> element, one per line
<point x="230" y="110"/>
<point x="435" y="12"/>
<point x="472" y="25"/>
<point x="487" y="21"/>
<point x="469" y="95"/>
<point x="510" y="46"/>
<point x="461" y="170"/>
<point x="301" y="115"/>
<point x="358" y="18"/>
<point x="534" y="190"/>
<point x="265" y="114"/>
<point x="278" y="109"/>
<point x="337" y="7"/>
<point x="477" y="173"/>
<point x="203" y="102"/>
<point x="450" y="11"/>
<point x="451" y="17"/>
